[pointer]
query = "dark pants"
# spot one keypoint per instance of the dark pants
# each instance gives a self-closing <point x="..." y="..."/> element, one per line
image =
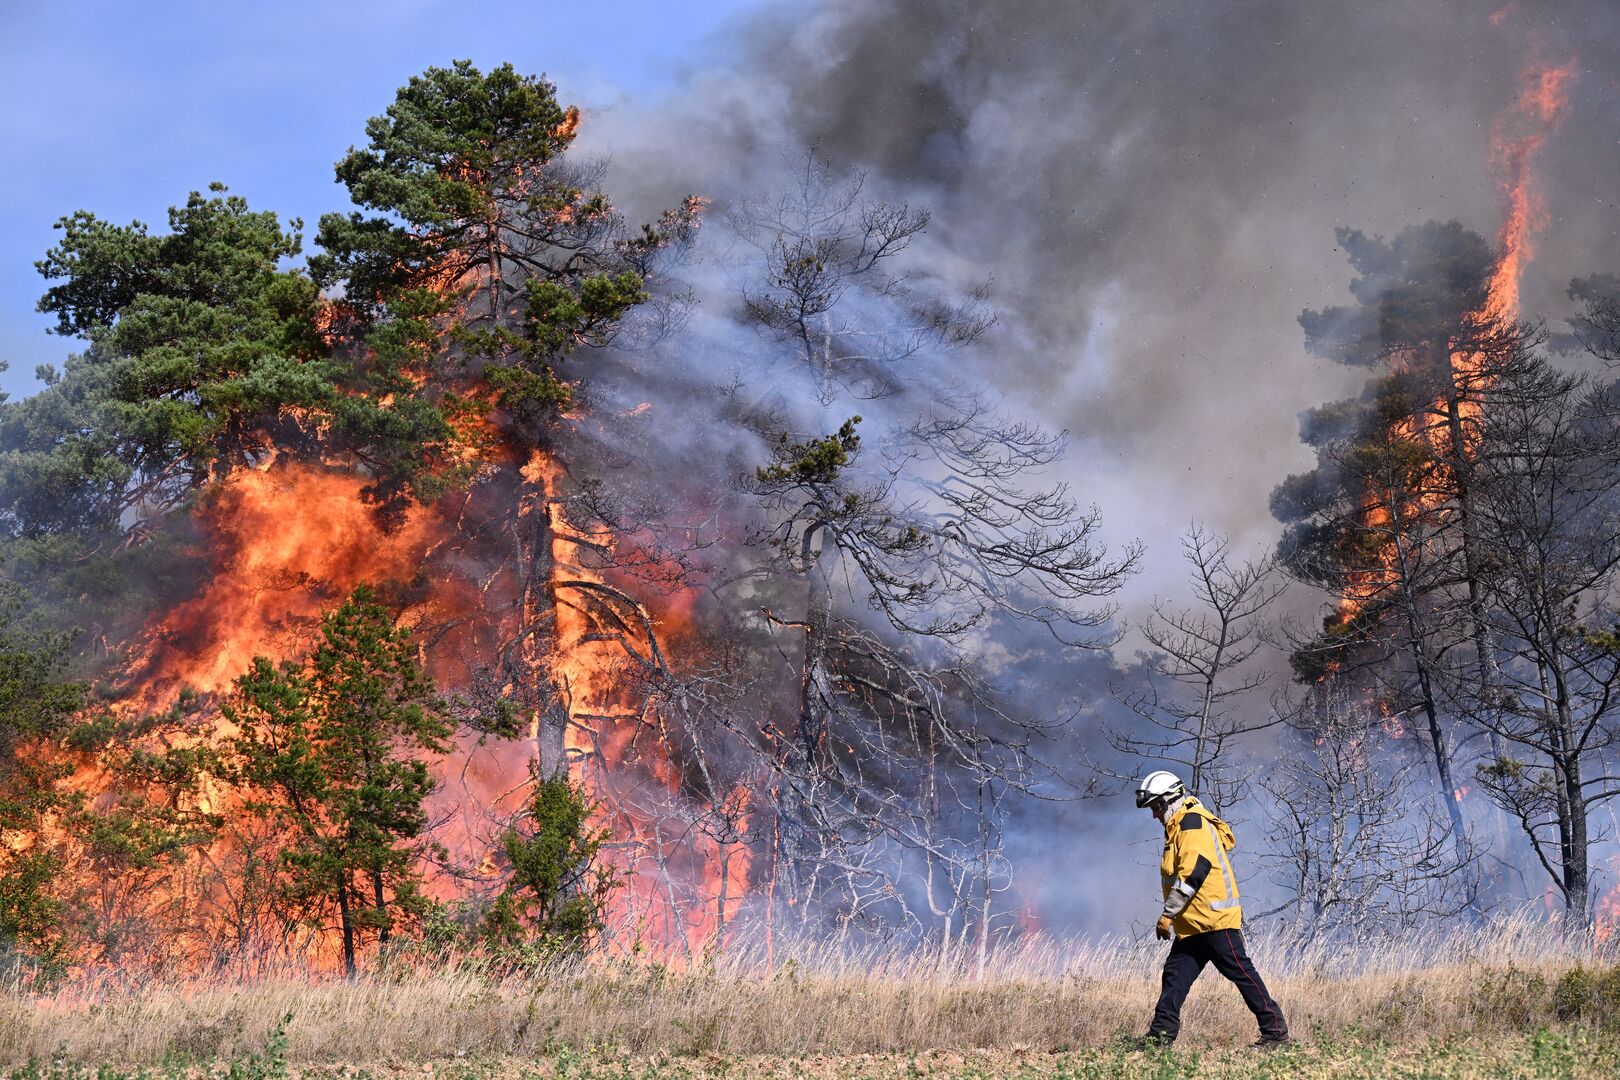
<point x="1223" y="948"/>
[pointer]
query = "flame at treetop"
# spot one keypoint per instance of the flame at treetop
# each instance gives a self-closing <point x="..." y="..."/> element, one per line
<point x="1517" y="137"/>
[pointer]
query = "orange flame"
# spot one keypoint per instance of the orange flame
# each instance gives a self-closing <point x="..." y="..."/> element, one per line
<point x="570" y="123"/>
<point x="290" y="540"/>
<point x="684" y="869"/>
<point x="287" y="541"/>
<point x="1517" y="137"/>
<point x="1606" y="912"/>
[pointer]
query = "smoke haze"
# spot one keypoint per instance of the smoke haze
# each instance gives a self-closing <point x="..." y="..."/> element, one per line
<point x="1153" y="190"/>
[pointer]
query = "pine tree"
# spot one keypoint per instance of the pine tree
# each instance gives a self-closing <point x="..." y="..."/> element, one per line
<point x="481" y="263"/>
<point x="1385" y="521"/>
<point x="558" y="894"/>
<point x="331" y="749"/>
<point x="200" y="345"/>
<point x="201" y="354"/>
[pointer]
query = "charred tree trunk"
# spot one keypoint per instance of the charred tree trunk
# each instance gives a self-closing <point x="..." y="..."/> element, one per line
<point x="1572" y="825"/>
<point x="1417" y="644"/>
<point x="1442" y="761"/>
<point x="1484" y="654"/>
<point x="797" y="858"/>
<point x="546" y="698"/>
<point x="1576" y="871"/>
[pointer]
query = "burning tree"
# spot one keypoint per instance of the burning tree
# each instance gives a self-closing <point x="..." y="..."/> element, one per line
<point x="203" y="359"/>
<point x="488" y="262"/>
<point x="488" y="266"/>
<point x="1385" y="521"/>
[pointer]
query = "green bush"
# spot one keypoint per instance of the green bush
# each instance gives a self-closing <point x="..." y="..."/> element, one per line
<point x="1586" y="994"/>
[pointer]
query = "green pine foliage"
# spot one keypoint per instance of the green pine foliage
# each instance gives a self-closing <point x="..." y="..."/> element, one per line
<point x="819" y="461"/>
<point x="557" y="897"/>
<point x="454" y="157"/>
<point x="202" y="353"/>
<point x="201" y="350"/>
<point x="37" y="703"/>
<point x="334" y="750"/>
<point x="479" y="263"/>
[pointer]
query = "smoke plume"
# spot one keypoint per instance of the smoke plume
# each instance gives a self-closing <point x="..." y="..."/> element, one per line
<point x="1153" y="191"/>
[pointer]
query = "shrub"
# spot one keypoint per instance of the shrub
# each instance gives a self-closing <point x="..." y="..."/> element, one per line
<point x="1583" y="993"/>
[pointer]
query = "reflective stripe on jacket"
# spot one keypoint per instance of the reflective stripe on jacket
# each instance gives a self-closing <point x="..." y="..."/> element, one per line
<point x="1195" y="847"/>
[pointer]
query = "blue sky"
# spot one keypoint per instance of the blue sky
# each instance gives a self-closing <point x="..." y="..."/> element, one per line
<point x="122" y="108"/>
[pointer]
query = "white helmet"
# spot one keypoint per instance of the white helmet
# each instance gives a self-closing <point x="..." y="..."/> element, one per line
<point x="1159" y="785"/>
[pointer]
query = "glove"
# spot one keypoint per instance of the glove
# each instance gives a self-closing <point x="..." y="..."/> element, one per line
<point x="1162" y="928"/>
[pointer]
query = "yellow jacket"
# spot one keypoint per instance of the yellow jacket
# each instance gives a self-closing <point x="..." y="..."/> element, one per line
<point x="1200" y="890"/>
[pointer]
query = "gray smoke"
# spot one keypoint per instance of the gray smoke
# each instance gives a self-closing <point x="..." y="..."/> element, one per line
<point x="1153" y="189"/>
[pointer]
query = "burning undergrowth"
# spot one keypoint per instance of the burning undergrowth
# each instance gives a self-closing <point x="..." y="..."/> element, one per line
<point x="769" y="674"/>
<point x="723" y="519"/>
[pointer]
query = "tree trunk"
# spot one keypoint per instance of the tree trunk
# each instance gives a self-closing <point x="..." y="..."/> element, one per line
<point x="1431" y="711"/>
<point x="1484" y="654"/>
<point x="985" y="894"/>
<point x="1442" y="760"/>
<point x="1576" y="877"/>
<point x="803" y="747"/>
<point x="538" y="674"/>
<point x="348" y="927"/>
<point x="1572" y="826"/>
<point x="720" y="897"/>
<point x="382" y="910"/>
<point x="536" y="680"/>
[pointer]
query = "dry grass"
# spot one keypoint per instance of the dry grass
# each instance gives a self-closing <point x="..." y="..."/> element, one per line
<point x="1034" y="998"/>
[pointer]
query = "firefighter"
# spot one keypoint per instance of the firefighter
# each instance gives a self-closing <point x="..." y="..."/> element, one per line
<point x="1201" y="911"/>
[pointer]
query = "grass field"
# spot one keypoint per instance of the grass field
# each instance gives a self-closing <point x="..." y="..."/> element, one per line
<point x="1551" y="1055"/>
<point x="1515" y="1000"/>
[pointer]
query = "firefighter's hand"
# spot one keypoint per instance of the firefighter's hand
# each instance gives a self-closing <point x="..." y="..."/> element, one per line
<point x="1162" y="928"/>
